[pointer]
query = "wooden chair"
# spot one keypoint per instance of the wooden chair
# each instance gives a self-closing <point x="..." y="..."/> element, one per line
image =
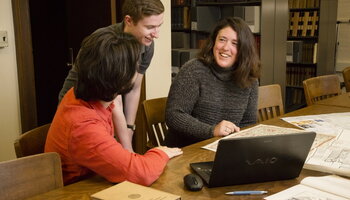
<point x="31" y="142"/>
<point x="29" y="176"/>
<point x="270" y="102"/>
<point x="321" y="87"/>
<point x="154" y="113"/>
<point x="346" y="76"/>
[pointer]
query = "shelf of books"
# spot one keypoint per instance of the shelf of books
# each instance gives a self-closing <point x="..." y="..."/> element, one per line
<point x="302" y="43"/>
<point x="229" y="3"/>
<point x="180" y="15"/>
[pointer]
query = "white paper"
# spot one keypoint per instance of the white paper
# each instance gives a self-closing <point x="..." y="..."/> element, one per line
<point x="332" y="156"/>
<point x="316" y="188"/>
<point x="262" y="130"/>
<point x="302" y="192"/>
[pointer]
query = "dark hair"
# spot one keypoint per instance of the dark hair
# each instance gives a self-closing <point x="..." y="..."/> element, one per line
<point x="106" y="64"/>
<point x="137" y="9"/>
<point x="247" y="66"/>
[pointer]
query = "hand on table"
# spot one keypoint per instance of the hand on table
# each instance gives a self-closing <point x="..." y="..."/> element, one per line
<point x="171" y="152"/>
<point x="225" y="128"/>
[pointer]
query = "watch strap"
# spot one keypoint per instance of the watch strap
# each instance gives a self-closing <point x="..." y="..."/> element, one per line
<point x="132" y="127"/>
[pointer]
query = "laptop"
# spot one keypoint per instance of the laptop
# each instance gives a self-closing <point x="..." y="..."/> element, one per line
<point x="256" y="159"/>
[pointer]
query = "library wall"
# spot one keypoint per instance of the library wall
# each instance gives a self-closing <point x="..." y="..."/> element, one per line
<point x="10" y="121"/>
<point x="327" y="37"/>
<point x="160" y="70"/>
<point x="274" y="25"/>
<point x="343" y="32"/>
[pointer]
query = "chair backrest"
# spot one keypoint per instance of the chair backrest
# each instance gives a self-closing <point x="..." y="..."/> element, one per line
<point x="321" y="87"/>
<point x="346" y="76"/>
<point x="270" y="103"/>
<point x="31" y="142"/>
<point x="29" y="176"/>
<point x="154" y="112"/>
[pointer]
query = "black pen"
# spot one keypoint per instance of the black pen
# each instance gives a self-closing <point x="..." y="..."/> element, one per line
<point x="248" y="192"/>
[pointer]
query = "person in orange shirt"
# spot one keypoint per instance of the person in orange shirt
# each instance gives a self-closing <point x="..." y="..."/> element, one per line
<point x="82" y="130"/>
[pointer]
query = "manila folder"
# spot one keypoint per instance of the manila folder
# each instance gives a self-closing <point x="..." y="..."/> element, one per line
<point x="128" y="191"/>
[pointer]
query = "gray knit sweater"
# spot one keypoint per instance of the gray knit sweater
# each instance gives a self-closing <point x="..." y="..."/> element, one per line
<point x="200" y="97"/>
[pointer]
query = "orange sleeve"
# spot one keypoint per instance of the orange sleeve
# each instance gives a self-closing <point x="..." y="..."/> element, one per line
<point x="93" y="147"/>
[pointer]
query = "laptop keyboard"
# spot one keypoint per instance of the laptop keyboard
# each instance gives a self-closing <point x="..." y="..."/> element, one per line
<point x="203" y="169"/>
<point x="204" y="172"/>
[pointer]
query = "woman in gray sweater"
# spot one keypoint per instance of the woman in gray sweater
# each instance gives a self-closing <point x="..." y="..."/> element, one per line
<point x="216" y="93"/>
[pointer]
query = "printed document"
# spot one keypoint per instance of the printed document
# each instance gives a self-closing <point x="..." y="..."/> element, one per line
<point x="334" y="155"/>
<point x="262" y="130"/>
<point x="330" y="187"/>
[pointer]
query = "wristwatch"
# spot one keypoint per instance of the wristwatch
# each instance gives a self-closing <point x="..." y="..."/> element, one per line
<point x="132" y="127"/>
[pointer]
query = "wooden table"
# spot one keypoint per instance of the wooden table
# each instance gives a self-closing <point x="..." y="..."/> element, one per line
<point x="172" y="178"/>
<point x="342" y="100"/>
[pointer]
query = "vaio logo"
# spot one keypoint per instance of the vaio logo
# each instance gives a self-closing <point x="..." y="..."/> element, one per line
<point x="262" y="161"/>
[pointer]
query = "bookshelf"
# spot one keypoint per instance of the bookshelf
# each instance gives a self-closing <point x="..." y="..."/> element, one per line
<point x="180" y="15"/>
<point x="192" y="20"/>
<point x="301" y="52"/>
<point x="180" y="33"/>
<point x="311" y="43"/>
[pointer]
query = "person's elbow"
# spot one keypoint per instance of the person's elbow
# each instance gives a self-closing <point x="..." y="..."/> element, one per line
<point x="145" y="179"/>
